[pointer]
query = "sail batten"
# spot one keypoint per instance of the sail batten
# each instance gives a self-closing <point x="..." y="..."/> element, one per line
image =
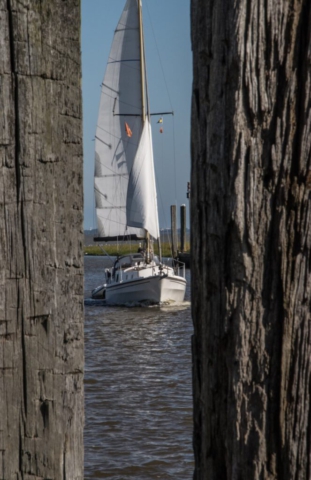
<point x="122" y="61"/>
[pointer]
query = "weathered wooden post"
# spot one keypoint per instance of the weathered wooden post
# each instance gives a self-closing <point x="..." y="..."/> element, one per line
<point x="41" y="239"/>
<point x="251" y="239"/>
<point x="174" y="231"/>
<point x="182" y="228"/>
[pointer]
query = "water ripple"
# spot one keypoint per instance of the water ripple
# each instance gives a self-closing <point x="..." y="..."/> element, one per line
<point x="137" y="389"/>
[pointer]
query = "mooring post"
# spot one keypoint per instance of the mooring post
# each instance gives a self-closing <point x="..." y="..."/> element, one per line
<point x="174" y="231"/>
<point x="182" y="228"/>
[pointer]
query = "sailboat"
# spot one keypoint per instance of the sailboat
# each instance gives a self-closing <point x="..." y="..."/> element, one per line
<point x="125" y="187"/>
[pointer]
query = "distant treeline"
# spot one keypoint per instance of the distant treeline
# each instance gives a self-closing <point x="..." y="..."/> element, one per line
<point x="124" y="249"/>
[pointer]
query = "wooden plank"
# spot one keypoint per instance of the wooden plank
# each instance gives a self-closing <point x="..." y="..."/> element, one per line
<point x="183" y="214"/>
<point x="174" y="230"/>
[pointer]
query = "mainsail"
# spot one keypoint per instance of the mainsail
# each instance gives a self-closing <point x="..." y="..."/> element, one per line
<point x="120" y="105"/>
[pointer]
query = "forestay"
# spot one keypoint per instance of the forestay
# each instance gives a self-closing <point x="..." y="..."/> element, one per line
<point x="142" y="208"/>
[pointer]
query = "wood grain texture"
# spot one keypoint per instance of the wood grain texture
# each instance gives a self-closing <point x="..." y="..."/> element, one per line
<point x="41" y="240"/>
<point x="250" y="209"/>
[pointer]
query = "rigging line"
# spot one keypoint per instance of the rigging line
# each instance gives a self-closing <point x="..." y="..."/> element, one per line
<point x="127" y="104"/>
<point x="124" y="60"/>
<point x="156" y="44"/>
<point x="124" y="65"/>
<point x="169" y="97"/>
<point x="159" y="189"/>
<point x="112" y="205"/>
<point x="117" y="137"/>
<point x="110" y="220"/>
<point x="114" y="97"/>
<point x="123" y="175"/>
<point x="94" y="220"/>
<point x="115" y="222"/>
<point x="174" y="154"/>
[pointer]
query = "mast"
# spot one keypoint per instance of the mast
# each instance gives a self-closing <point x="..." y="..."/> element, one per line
<point x="144" y="94"/>
<point x="142" y="62"/>
<point x="143" y="97"/>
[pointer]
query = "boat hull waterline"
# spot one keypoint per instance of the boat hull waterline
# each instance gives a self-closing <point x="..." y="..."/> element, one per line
<point x="132" y="280"/>
<point x="153" y="290"/>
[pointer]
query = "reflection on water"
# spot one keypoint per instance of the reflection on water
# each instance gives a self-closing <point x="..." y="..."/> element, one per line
<point x="137" y="388"/>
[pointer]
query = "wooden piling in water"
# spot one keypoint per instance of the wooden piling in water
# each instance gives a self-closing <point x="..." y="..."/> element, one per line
<point x="182" y="228"/>
<point x="173" y="231"/>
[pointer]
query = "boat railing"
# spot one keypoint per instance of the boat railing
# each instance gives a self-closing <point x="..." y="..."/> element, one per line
<point x="111" y="272"/>
<point x="179" y="268"/>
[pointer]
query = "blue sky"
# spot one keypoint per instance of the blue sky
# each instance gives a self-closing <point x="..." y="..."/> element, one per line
<point x="168" y="50"/>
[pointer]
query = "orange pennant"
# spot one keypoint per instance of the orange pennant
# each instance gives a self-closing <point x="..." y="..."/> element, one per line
<point x="128" y="130"/>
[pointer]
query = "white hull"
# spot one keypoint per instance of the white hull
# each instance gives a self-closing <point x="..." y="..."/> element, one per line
<point x="125" y="187"/>
<point x="131" y="280"/>
<point x="156" y="289"/>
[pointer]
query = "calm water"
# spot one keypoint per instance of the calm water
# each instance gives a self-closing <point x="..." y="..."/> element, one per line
<point x="138" y="389"/>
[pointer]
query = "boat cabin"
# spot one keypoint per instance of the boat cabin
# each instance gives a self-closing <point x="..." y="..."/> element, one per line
<point x="135" y="262"/>
<point x="128" y="261"/>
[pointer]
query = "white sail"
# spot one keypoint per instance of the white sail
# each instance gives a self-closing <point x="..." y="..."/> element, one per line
<point x="120" y="107"/>
<point x="142" y="211"/>
<point x="126" y="198"/>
